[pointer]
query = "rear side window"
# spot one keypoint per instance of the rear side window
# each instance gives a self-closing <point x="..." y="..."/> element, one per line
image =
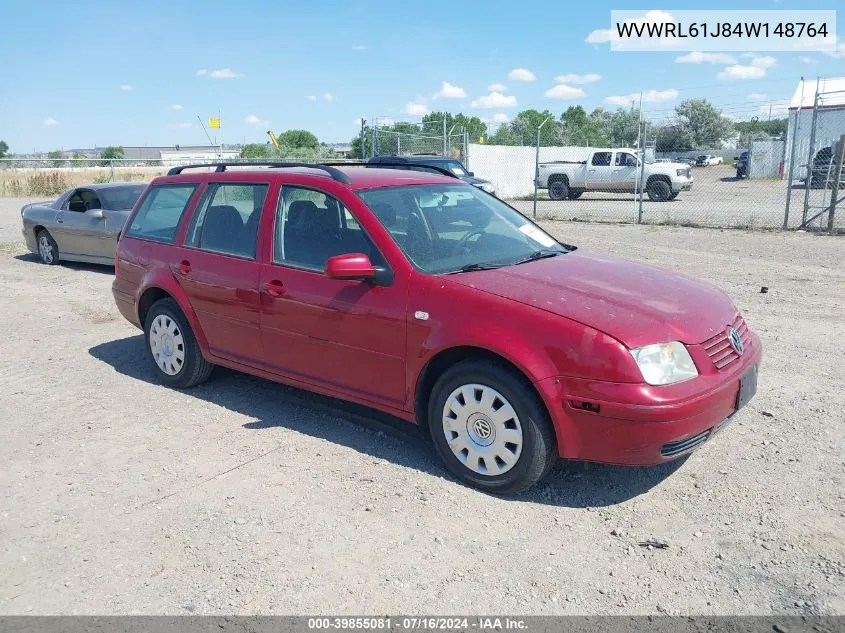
<point x="227" y="217"/>
<point x="602" y="159"/>
<point x="160" y="212"/>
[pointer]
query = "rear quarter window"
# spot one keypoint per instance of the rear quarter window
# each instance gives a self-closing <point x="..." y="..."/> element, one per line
<point x="161" y="211"/>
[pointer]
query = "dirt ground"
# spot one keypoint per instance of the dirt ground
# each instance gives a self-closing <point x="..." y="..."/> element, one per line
<point x="119" y="496"/>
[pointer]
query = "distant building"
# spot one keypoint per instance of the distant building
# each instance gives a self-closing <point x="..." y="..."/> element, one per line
<point x="830" y="121"/>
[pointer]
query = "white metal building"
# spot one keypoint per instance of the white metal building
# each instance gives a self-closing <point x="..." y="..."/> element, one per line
<point x="830" y="120"/>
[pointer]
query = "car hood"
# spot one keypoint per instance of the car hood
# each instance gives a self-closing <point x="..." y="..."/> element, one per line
<point x="634" y="303"/>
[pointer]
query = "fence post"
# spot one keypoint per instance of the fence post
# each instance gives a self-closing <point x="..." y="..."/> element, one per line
<point x="444" y="136"/>
<point x="537" y="164"/>
<point x="795" y="130"/>
<point x="373" y="139"/>
<point x="837" y="176"/>
<point x="466" y="149"/>
<point x="111" y="169"/>
<point x="810" y="152"/>
<point x="642" y="172"/>
<point x="363" y="139"/>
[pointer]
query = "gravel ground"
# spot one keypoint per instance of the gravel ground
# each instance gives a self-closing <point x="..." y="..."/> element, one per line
<point x="120" y="496"/>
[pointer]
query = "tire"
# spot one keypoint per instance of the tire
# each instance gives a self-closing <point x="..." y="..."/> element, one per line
<point x="458" y="414"/>
<point x="558" y="189"/>
<point x="48" y="250"/>
<point x="574" y="195"/>
<point x="674" y="195"/>
<point x="173" y="349"/>
<point x="659" y="190"/>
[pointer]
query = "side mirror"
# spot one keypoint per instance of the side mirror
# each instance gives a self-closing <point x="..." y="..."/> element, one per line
<point x="97" y="214"/>
<point x="350" y="266"/>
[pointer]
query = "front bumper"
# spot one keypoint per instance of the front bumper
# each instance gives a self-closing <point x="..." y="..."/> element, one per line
<point x="640" y="425"/>
<point x="685" y="185"/>
<point x="29" y="238"/>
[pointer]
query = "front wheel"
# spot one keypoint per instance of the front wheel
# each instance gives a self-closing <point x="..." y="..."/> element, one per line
<point x="490" y="429"/>
<point x="173" y="348"/>
<point x="574" y="195"/>
<point x="48" y="250"/>
<point x="659" y="190"/>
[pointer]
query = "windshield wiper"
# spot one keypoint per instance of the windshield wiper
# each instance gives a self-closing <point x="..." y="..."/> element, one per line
<point x="473" y="267"/>
<point x="533" y="257"/>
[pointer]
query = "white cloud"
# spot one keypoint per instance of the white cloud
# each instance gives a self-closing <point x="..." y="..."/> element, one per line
<point x="126" y="87"/>
<point x="577" y="79"/>
<point x="741" y="72"/>
<point x="521" y="74"/>
<point x="202" y="72"/>
<point x="182" y="126"/>
<point x="50" y="121"/>
<point x="651" y="96"/>
<point x="415" y="109"/>
<point x="499" y="118"/>
<point x="697" y="57"/>
<point x="311" y="97"/>
<point x="757" y="96"/>
<point x="756" y="70"/>
<point x="764" y="62"/>
<point x="327" y="96"/>
<point x="495" y="100"/>
<point x="175" y="106"/>
<point x="807" y="60"/>
<point x="602" y="36"/>
<point x="840" y="50"/>
<point x="254" y="120"/>
<point x="497" y="87"/>
<point x="359" y="47"/>
<point x="562" y="91"/>
<point x="223" y="73"/>
<point x="450" y="91"/>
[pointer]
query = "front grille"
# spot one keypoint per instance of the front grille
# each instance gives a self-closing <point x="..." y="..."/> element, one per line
<point x="719" y="348"/>
<point x="682" y="446"/>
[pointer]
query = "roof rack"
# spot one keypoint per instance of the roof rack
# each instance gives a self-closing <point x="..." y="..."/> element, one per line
<point x="393" y="165"/>
<point x="336" y="174"/>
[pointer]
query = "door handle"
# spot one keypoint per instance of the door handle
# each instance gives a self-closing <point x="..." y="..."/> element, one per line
<point x="184" y="267"/>
<point x="60" y="221"/>
<point x="274" y="288"/>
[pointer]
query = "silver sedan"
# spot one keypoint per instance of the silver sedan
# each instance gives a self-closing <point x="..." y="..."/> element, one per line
<point x="81" y="225"/>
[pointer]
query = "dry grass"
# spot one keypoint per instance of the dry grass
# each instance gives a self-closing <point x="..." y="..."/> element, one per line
<point x="19" y="183"/>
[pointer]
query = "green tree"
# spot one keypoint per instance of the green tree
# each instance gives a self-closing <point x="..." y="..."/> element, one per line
<point x="256" y="151"/>
<point x="672" y="138"/>
<point x="624" y="127"/>
<point x="578" y="128"/>
<point x="523" y="130"/>
<point x="474" y="126"/>
<point x="355" y="143"/>
<point x="298" y="139"/>
<point x="111" y="153"/>
<point x="78" y="160"/>
<point x="4" y="149"/>
<point x="775" y="128"/>
<point x="703" y="123"/>
<point x="57" y="158"/>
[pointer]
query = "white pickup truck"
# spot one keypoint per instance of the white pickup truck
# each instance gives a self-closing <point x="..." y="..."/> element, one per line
<point x="613" y="170"/>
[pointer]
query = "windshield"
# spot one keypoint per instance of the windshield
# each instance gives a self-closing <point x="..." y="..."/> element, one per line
<point x="454" y="166"/>
<point x="120" y="197"/>
<point x="445" y="228"/>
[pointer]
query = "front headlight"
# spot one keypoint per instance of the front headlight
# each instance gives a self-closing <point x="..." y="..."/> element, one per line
<point x="488" y="187"/>
<point x="664" y="363"/>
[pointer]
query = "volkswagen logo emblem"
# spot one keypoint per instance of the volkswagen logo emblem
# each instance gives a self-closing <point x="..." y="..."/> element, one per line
<point x="483" y="428"/>
<point x="735" y="341"/>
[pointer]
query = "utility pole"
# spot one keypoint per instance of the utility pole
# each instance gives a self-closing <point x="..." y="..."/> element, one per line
<point x="641" y="152"/>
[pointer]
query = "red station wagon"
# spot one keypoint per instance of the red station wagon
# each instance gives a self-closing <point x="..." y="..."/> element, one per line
<point x="420" y="295"/>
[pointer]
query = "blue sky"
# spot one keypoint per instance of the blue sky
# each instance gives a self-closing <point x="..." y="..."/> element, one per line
<point x="104" y="72"/>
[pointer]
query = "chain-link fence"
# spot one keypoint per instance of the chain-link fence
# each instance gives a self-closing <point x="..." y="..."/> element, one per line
<point x="439" y="138"/>
<point x="655" y="168"/>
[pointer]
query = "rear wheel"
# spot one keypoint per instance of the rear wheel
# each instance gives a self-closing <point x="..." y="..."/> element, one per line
<point x="173" y="348"/>
<point x="489" y="428"/>
<point x="659" y="190"/>
<point x="48" y="250"/>
<point x="558" y="189"/>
